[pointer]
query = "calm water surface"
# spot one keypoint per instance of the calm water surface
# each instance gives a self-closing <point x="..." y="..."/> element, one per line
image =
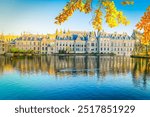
<point x="74" y="77"/>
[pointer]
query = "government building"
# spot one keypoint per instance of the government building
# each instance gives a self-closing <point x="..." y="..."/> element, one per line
<point x="72" y="42"/>
<point x="6" y="42"/>
<point x="103" y="43"/>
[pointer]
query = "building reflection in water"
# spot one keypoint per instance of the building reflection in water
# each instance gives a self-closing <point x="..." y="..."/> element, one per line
<point x="98" y="66"/>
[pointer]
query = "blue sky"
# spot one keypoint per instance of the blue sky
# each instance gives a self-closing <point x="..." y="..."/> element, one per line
<point x="37" y="16"/>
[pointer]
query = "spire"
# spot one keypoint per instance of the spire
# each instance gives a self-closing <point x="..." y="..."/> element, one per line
<point x="56" y="32"/>
<point x="68" y="32"/>
<point x="85" y="33"/>
<point x="61" y="32"/>
<point x="93" y="33"/>
<point x="64" y="32"/>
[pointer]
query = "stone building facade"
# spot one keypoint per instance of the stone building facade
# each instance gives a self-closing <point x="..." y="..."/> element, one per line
<point x="28" y="42"/>
<point x="74" y="42"/>
<point x="119" y="44"/>
<point x="38" y="43"/>
<point x="104" y="43"/>
<point x="4" y="45"/>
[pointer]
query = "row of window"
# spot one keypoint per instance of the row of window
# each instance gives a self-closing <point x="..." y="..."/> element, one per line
<point x="117" y="49"/>
<point x="117" y="44"/>
<point x="31" y="43"/>
<point x="78" y="45"/>
<point x="95" y="44"/>
<point x="43" y="48"/>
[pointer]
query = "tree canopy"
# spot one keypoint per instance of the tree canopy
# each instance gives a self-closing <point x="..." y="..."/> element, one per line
<point x="144" y="25"/>
<point x="113" y="16"/>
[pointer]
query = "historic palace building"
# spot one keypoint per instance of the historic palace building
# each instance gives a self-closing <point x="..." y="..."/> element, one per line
<point x="72" y="42"/>
<point x="6" y="42"/>
<point x="38" y="43"/>
<point x="104" y="43"/>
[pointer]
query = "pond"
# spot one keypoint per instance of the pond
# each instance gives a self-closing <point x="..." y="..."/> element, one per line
<point x="74" y="78"/>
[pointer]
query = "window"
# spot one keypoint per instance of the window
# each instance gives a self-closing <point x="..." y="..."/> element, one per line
<point x="77" y="49"/>
<point x="92" y="44"/>
<point x="111" y="44"/>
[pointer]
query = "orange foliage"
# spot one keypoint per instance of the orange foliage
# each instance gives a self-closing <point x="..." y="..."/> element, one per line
<point x="144" y="25"/>
<point x="113" y="16"/>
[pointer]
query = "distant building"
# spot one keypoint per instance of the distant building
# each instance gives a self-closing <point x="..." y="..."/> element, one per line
<point x="72" y="42"/>
<point x="104" y="43"/>
<point x="29" y="42"/>
<point x="2" y="47"/>
<point x="38" y="43"/>
<point x="4" y="44"/>
<point x="120" y="44"/>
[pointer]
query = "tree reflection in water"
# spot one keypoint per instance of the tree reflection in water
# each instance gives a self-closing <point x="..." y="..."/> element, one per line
<point x="141" y="70"/>
<point x="61" y="66"/>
